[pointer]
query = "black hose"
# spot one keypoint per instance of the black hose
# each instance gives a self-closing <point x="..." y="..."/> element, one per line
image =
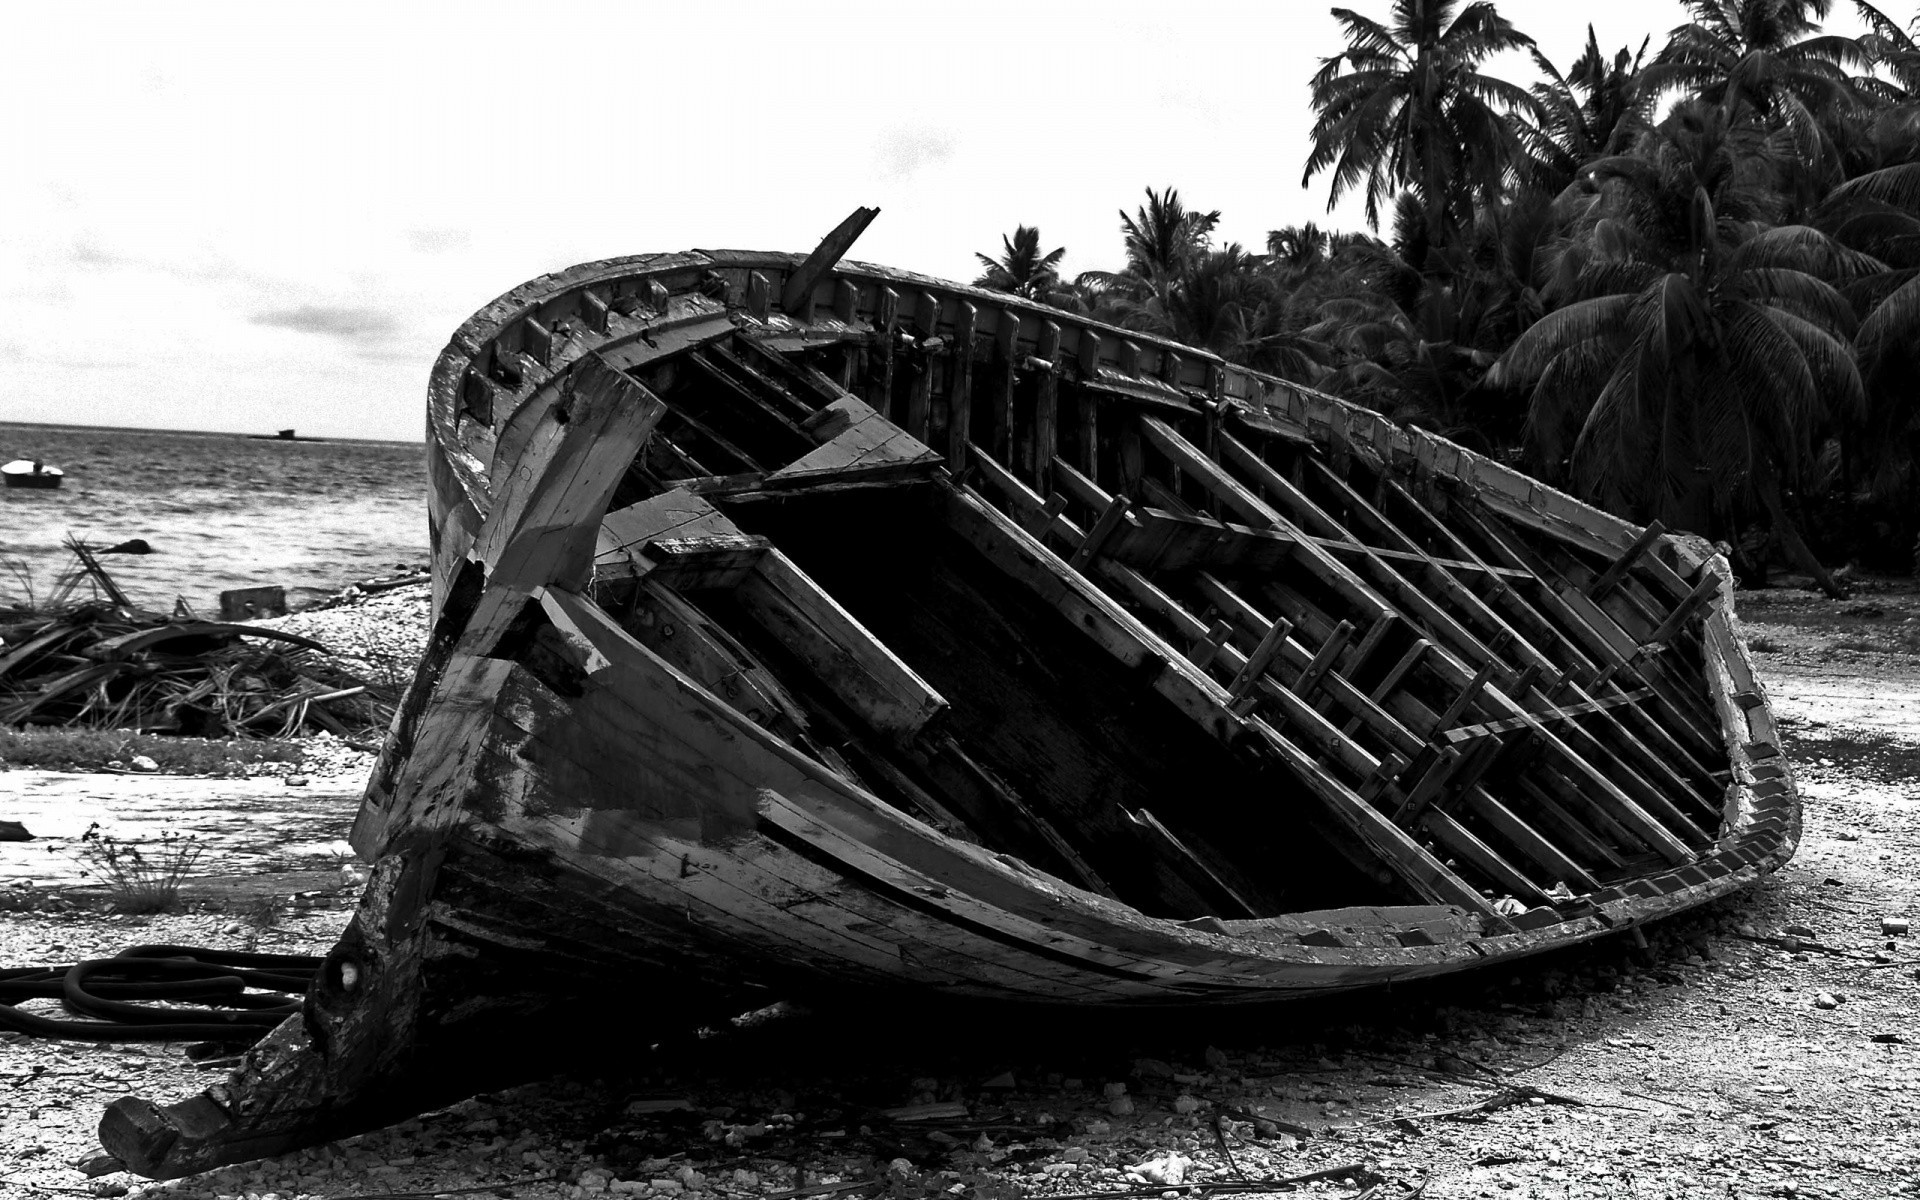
<point x="237" y="996"/>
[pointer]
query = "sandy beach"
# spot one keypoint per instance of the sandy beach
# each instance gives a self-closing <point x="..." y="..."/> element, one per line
<point x="1722" y="1060"/>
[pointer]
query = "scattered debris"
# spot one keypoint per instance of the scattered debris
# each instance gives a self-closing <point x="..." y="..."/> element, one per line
<point x="107" y="665"/>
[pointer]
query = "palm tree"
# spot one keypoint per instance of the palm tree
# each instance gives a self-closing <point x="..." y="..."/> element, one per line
<point x="1767" y="57"/>
<point x="1162" y="239"/>
<point x="1701" y="350"/>
<point x="1405" y="106"/>
<point x="1022" y="269"/>
<point x="1878" y="213"/>
<point x="1592" y="111"/>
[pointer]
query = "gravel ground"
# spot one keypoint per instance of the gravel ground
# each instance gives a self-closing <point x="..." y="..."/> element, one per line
<point x="1764" y="1046"/>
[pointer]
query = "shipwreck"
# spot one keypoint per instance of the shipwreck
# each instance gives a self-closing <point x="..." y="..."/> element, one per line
<point x="803" y="625"/>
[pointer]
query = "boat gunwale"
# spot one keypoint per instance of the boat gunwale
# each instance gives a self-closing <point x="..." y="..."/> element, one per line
<point x="1304" y="413"/>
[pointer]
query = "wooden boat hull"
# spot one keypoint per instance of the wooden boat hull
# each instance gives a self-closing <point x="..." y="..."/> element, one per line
<point x="1159" y="682"/>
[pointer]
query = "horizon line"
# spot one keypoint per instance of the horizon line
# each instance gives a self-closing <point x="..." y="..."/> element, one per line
<point x="268" y="437"/>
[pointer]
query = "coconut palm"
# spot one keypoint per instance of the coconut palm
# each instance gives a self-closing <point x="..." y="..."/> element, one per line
<point x="1406" y="106"/>
<point x="1022" y="269"/>
<point x="1592" y="111"/>
<point x="1162" y="240"/>
<point x="1701" y="350"/>
<point x="1768" y="58"/>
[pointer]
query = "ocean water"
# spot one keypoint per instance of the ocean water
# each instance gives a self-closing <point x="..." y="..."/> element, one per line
<point x="220" y="511"/>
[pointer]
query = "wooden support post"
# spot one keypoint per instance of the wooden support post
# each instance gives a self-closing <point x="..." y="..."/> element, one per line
<point x="1616" y="572"/>
<point x="593" y="311"/>
<point x="1006" y="346"/>
<point x="759" y="296"/>
<point x="1323" y="659"/>
<point x="1465" y="699"/>
<point x="1389" y="770"/>
<point x="1041" y="523"/>
<point x="960" y="388"/>
<point x="1103" y="528"/>
<point x="846" y="301"/>
<point x="1258" y="662"/>
<point x="1046" y="409"/>
<point x="1682" y="612"/>
<point x="919" y="416"/>
<point x="1208" y="648"/>
<point x="886" y="322"/>
<point x="1443" y="763"/>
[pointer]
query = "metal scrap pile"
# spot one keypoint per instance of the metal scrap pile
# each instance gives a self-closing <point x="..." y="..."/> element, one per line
<point x="103" y="665"/>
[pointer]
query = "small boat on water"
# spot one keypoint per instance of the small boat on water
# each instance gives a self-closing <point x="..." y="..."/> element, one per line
<point x="804" y="626"/>
<point x="31" y="473"/>
<point x="284" y="435"/>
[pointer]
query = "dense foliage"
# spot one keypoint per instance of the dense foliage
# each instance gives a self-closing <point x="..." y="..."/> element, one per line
<point x="1684" y="285"/>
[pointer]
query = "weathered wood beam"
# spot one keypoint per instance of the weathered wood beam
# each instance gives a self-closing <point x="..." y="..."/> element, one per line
<point x="829" y="252"/>
<point x="855" y="665"/>
<point x="545" y="517"/>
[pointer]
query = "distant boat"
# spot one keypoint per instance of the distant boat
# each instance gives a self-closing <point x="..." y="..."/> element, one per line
<point x="31" y="473"/>
<point x="284" y="435"/>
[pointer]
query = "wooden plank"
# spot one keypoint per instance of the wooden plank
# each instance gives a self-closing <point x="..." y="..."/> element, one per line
<point x="1046" y="409"/>
<point x="1491" y="665"/>
<point x="1209" y="474"/>
<point x="1709" y="586"/>
<point x="752" y="406"/>
<point x="1560" y="713"/>
<point x="701" y="563"/>
<point x="1304" y="510"/>
<point x="1605" y="641"/>
<point x="960" y="388"/>
<point x="919" y="415"/>
<point x="1006" y="346"/>
<point x="865" y="442"/>
<point x="1559" y="867"/>
<point x="855" y="665"/>
<point x="1194" y="862"/>
<point x="1365" y="711"/>
<point x="1027" y="561"/>
<point x="1617" y="570"/>
<point x="886" y="322"/>
<point x="545" y="517"/>
<point x="1463" y="842"/>
<point x="1009" y="801"/>
<point x="830" y="251"/>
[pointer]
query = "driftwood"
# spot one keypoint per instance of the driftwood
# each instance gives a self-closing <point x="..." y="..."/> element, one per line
<point x="108" y="666"/>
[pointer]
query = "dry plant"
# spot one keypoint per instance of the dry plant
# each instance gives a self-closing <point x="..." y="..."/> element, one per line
<point x="143" y="877"/>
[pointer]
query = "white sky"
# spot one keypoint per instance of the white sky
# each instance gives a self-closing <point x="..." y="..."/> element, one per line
<point x="245" y="217"/>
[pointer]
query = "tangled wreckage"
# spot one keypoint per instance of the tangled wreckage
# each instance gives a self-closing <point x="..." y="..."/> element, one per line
<point x="804" y="624"/>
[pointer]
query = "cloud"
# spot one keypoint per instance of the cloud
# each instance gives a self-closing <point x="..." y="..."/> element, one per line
<point x="366" y="327"/>
<point x="438" y="241"/>
<point x="88" y="253"/>
<point x="903" y="150"/>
